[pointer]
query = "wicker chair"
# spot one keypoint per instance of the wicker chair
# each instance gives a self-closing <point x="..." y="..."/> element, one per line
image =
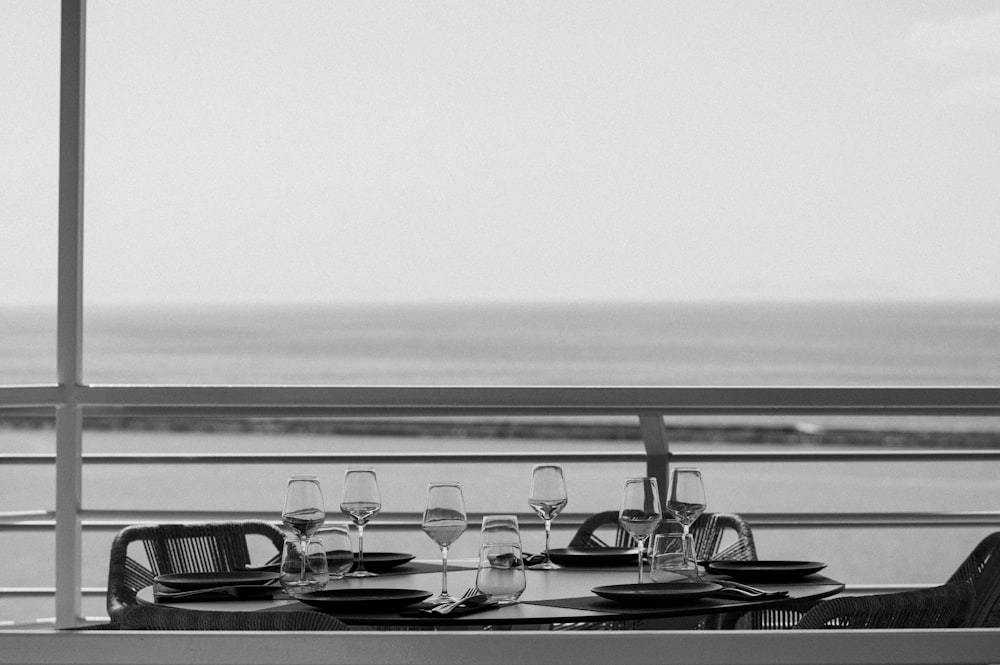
<point x="710" y="531"/>
<point x="181" y="548"/>
<point x="981" y="569"/>
<point x="944" y="606"/>
<point x="147" y="617"/>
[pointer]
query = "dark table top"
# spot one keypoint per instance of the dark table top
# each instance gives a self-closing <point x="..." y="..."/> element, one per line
<point x="558" y="596"/>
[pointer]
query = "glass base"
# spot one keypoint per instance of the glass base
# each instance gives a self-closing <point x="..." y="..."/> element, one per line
<point x="296" y="587"/>
<point x="545" y="565"/>
<point x="361" y="573"/>
<point x="441" y="599"/>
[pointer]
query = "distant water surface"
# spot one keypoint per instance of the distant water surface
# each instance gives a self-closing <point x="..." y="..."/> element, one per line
<point x="642" y="344"/>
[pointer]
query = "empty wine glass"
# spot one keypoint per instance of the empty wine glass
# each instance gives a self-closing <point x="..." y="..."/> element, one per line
<point x="640" y="512"/>
<point x="547" y="498"/>
<point x="361" y="502"/>
<point x="303" y="512"/>
<point x="444" y="521"/>
<point x="686" y="501"/>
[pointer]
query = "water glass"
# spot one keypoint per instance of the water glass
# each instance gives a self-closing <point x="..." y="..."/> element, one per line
<point x="500" y="530"/>
<point x="303" y="566"/>
<point x="339" y="551"/>
<point x="501" y="573"/>
<point x="673" y="555"/>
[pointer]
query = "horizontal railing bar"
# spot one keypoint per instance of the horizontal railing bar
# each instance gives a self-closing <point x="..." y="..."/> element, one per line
<point x="106" y="519"/>
<point x="319" y="458"/>
<point x="811" y="455"/>
<point x="47" y="590"/>
<point x="39" y="398"/>
<point x="691" y="400"/>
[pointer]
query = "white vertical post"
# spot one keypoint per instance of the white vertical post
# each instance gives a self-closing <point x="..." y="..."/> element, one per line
<point x="654" y="437"/>
<point x="69" y="423"/>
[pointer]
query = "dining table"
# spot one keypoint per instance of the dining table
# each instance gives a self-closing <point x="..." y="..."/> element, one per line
<point x="551" y="597"/>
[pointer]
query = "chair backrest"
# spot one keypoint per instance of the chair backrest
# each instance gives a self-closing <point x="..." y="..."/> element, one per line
<point x="711" y="531"/>
<point x="944" y="606"/>
<point x="148" y="617"/>
<point x="182" y="548"/>
<point x="981" y="569"/>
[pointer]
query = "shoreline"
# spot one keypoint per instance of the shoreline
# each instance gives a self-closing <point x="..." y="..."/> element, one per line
<point x="798" y="434"/>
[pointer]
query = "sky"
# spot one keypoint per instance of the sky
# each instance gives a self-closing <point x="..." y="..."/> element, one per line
<point x="416" y="151"/>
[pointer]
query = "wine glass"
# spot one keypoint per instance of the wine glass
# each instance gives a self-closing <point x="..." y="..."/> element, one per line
<point x="361" y="502"/>
<point x="547" y="498"/>
<point x="640" y="512"/>
<point x="303" y="512"/>
<point x="444" y="521"/>
<point x="686" y="501"/>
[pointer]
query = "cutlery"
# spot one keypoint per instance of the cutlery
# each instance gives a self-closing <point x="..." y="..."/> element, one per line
<point x="748" y="590"/>
<point x="237" y="590"/>
<point x="448" y="607"/>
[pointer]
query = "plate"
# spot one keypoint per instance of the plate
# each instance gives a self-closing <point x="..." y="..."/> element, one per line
<point x="589" y="557"/>
<point x="194" y="581"/>
<point x="378" y="562"/>
<point x="363" y="600"/>
<point x="656" y="593"/>
<point x="761" y="571"/>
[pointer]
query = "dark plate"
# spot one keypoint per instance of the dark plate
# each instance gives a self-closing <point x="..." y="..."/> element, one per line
<point x="589" y="557"/>
<point x="761" y="571"/>
<point x="378" y="562"/>
<point x="363" y="600"/>
<point x="193" y="581"/>
<point x="656" y="593"/>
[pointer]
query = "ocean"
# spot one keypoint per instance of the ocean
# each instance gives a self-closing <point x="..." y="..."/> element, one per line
<point x="643" y="344"/>
<point x="569" y="344"/>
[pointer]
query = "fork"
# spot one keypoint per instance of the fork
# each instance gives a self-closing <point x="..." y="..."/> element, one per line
<point x="448" y="607"/>
<point x="747" y="590"/>
<point x="237" y="590"/>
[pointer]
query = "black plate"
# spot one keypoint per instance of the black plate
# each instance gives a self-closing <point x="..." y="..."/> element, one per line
<point x="590" y="557"/>
<point x="378" y="562"/>
<point x="193" y="581"/>
<point x="761" y="571"/>
<point x="363" y="600"/>
<point x="656" y="594"/>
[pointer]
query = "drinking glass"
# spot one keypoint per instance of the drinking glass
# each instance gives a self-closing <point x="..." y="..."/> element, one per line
<point x="500" y="530"/>
<point x="672" y="555"/>
<point x="303" y="566"/>
<point x="501" y="573"/>
<point x="686" y="500"/>
<point x="444" y="521"/>
<point x="339" y="553"/>
<point x="547" y="498"/>
<point x="303" y="512"/>
<point x="361" y="502"/>
<point x="640" y="512"/>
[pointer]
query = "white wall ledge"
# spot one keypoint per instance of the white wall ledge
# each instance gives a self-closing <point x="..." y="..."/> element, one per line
<point x="829" y="647"/>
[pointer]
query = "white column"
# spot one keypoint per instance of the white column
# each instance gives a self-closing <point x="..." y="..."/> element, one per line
<point x="70" y="313"/>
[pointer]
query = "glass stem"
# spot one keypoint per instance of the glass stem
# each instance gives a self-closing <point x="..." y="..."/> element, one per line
<point x="361" y="549"/>
<point x="444" y="571"/>
<point x="642" y="548"/>
<point x="302" y="559"/>
<point x="548" y="531"/>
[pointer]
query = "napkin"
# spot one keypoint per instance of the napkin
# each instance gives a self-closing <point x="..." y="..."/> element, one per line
<point x="471" y="605"/>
